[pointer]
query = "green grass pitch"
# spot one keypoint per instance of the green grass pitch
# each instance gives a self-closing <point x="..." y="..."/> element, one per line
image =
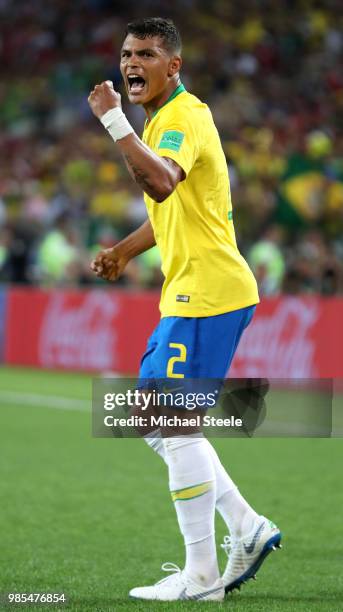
<point x="93" y="518"/>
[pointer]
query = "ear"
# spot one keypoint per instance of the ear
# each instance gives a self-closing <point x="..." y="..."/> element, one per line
<point x="174" y="65"/>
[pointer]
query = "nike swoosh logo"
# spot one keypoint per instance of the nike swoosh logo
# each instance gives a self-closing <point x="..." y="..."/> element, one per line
<point x="250" y="547"/>
<point x="172" y="389"/>
<point x="184" y="595"/>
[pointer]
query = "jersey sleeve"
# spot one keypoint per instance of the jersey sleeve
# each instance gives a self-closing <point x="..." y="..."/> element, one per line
<point x="179" y="140"/>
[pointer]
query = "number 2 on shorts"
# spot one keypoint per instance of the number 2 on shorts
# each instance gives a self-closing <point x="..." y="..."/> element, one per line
<point x="180" y="358"/>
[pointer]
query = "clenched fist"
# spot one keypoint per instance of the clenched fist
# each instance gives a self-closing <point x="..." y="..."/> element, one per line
<point x="103" y="98"/>
<point x="110" y="263"/>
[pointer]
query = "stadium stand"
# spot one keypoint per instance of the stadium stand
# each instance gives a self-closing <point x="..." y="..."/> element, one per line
<point x="272" y="74"/>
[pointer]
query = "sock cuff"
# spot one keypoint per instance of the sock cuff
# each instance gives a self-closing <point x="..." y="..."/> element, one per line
<point x="171" y="444"/>
<point x="156" y="433"/>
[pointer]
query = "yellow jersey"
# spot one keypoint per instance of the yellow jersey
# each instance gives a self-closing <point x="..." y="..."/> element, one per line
<point x="205" y="274"/>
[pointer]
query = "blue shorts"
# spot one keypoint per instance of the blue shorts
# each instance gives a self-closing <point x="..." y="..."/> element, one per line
<point x="198" y="347"/>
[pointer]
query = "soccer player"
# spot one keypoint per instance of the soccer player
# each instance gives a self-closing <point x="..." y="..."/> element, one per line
<point x="208" y="296"/>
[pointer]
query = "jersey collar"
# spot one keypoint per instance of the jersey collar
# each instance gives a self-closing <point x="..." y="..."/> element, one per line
<point x="180" y="88"/>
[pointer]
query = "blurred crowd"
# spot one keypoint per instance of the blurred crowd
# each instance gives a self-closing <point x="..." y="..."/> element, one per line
<point x="272" y="74"/>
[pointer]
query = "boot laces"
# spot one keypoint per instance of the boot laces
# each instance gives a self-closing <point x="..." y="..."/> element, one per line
<point x="169" y="567"/>
<point x="227" y="545"/>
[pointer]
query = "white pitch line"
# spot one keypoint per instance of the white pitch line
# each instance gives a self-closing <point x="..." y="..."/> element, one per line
<point x="47" y="401"/>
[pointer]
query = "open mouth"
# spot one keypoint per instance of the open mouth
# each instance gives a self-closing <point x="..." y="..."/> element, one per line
<point x="136" y="83"/>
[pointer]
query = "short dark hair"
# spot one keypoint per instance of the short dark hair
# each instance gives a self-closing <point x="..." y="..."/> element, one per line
<point x="156" y="26"/>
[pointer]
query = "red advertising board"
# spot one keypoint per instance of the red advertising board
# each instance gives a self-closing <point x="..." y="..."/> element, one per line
<point x="3" y="310"/>
<point x="107" y="330"/>
<point x="293" y="337"/>
<point x="94" y="330"/>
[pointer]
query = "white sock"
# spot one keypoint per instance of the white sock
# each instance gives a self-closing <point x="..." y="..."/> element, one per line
<point x="192" y="486"/>
<point x="238" y="515"/>
<point x="223" y="480"/>
<point x="235" y="510"/>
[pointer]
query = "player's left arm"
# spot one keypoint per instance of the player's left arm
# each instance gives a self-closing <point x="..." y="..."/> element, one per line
<point x="158" y="176"/>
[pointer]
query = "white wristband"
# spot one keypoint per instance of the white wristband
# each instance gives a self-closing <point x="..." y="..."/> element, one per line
<point x="116" y="123"/>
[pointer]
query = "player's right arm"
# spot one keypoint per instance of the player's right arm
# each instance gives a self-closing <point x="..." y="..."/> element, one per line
<point x="109" y="264"/>
<point x="158" y="176"/>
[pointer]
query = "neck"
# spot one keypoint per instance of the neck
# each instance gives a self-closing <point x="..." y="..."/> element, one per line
<point x="153" y="105"/>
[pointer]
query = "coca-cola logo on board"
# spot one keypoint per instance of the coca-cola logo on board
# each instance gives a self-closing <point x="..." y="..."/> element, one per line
<point x="279" y="345"/>
<point x="79" y="336"/>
